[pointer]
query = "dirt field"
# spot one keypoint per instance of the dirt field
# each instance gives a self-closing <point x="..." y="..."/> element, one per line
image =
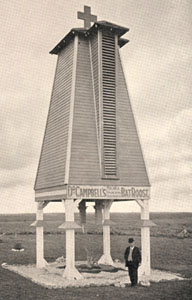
<point x="168" y="252"/>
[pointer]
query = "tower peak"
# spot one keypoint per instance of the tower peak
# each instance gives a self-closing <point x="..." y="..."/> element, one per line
<point x="102" y="25"/>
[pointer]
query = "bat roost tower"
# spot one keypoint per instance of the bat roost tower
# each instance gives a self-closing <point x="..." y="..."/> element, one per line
<point x="91" y="150"/>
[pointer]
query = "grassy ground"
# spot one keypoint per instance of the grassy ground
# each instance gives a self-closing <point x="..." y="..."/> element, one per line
<point x="168" y="252"/>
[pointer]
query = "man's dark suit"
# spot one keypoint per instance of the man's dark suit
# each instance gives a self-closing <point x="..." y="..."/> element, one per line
<point x="134" y="264"/>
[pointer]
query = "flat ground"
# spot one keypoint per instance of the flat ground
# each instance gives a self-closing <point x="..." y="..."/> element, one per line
<point x="168" y="252"/>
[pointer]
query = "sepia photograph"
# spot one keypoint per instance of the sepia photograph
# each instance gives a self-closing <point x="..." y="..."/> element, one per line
<point x="96" y="149"/>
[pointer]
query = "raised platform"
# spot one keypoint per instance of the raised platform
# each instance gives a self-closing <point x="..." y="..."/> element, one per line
<point x="51" y="276"/>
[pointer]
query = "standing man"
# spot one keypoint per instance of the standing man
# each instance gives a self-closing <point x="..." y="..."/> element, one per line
<point x="132" y="261"/>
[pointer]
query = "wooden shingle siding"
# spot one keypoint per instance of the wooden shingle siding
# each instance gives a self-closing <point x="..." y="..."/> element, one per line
<point x="132" y="169"/>
<point x="109" y="105"/>
<point x="84" y="166"/>
<point x="51" y="168"/>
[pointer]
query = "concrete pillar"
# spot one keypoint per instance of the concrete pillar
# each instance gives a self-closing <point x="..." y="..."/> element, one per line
<point x="40" y="261"/>
<point x="82" y="211"/>
<point x="145" y="243"/>
<point x="70" y="271"/>
<point x="98" y="212"/>
<point x="106" y="257"/>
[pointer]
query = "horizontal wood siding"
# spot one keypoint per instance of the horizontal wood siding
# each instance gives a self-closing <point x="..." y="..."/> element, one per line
<point x="84" y="166"/>
<point x="51" y="198"/>
<point x="51" y="169"/>
<point x="132" y="169"/>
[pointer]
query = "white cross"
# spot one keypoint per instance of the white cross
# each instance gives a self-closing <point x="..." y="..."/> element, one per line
<point x="86" y="16"/>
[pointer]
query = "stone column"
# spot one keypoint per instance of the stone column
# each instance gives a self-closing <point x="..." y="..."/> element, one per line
<point x="70" y="271"/>
<point x="145" y="239"/>
<point x="106" y="257"/>
<point x="145" y="269"/>
<point x="82" y="210"/>
<point x="98" y="212"/>
<point x="40" y="261"/>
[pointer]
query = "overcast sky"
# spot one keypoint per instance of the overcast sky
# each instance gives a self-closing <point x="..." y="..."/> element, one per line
<point x="158" y="66"/>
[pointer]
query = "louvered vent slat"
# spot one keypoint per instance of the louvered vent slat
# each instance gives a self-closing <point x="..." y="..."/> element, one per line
<point x="109" y="105"/>
<point x="94" y="51"/>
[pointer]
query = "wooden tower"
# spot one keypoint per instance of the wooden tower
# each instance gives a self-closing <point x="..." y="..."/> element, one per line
<point x="91" y="149"/>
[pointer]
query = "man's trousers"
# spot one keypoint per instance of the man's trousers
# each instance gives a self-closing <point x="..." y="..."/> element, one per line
<point x="133" y="274"/>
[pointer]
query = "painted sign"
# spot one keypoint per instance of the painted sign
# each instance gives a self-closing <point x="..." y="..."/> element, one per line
<point x="107" y="192"/>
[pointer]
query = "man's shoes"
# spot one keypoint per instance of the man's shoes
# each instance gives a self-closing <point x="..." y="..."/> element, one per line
<point x="134" y="285"/>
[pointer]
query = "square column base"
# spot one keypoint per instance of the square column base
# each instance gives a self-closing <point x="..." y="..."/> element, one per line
<point x="72" y="274"/>
<point x="145" y="279"/>
<point x="41" y="264"/>
<point x="106" y="260"/>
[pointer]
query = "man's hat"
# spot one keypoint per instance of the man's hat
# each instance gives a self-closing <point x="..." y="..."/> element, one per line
<point x="131" y="240"/>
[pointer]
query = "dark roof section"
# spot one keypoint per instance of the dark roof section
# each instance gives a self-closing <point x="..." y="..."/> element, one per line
<point x="110" y="26"/>
<point x="122" y="42"/>
<point x="86" y="32"/>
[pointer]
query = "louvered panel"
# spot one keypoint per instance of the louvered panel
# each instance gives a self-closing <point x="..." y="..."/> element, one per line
<point x="94" y="53"/>
<point x="51" y="170"/>
<point x="109" y="105"/>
